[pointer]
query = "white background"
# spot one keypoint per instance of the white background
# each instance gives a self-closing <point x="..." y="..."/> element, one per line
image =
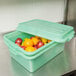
<point x="13" y="12"/>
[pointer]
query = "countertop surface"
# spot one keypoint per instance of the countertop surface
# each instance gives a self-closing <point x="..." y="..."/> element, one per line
<point x="61" y="64"/>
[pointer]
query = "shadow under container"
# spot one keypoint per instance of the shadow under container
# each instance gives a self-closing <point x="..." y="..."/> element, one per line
<point x="58" y="33"/>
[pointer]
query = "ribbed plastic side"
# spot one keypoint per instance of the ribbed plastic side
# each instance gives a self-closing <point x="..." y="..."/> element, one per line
<point x="34" y="64"/>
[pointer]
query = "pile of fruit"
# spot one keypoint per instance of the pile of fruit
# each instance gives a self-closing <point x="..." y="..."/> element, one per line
<point x="31" y="44"/>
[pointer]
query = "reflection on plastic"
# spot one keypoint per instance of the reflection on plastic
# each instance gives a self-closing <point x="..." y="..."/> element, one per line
<point x="55" y="67"/>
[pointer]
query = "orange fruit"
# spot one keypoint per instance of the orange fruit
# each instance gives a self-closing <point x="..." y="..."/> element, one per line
<point x="49" y="41"/>
<point x="30" y="49"/>
<point x="28" y="42"/>
<point x="37" y="37"/>
<point x="35" y="40"/>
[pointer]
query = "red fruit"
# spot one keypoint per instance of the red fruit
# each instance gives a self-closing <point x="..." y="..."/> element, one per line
<point x="40" y="44"/>
<point x="18" y="40"/>
<point x="31" y="37"/>
<point x="35" y="46"/>
<point x="23" y="47"/>
<point x="18" y="44"/>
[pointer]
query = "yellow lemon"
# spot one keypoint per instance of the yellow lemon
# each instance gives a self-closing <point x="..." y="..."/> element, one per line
<point x="30" y="49"/>
<point x="44" y="40"/>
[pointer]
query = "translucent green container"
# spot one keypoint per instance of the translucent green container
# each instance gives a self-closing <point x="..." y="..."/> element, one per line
<point x="32" y="61"/>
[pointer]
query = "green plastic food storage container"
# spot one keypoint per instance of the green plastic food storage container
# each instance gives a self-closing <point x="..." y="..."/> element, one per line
<point x="58" y="33"/>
